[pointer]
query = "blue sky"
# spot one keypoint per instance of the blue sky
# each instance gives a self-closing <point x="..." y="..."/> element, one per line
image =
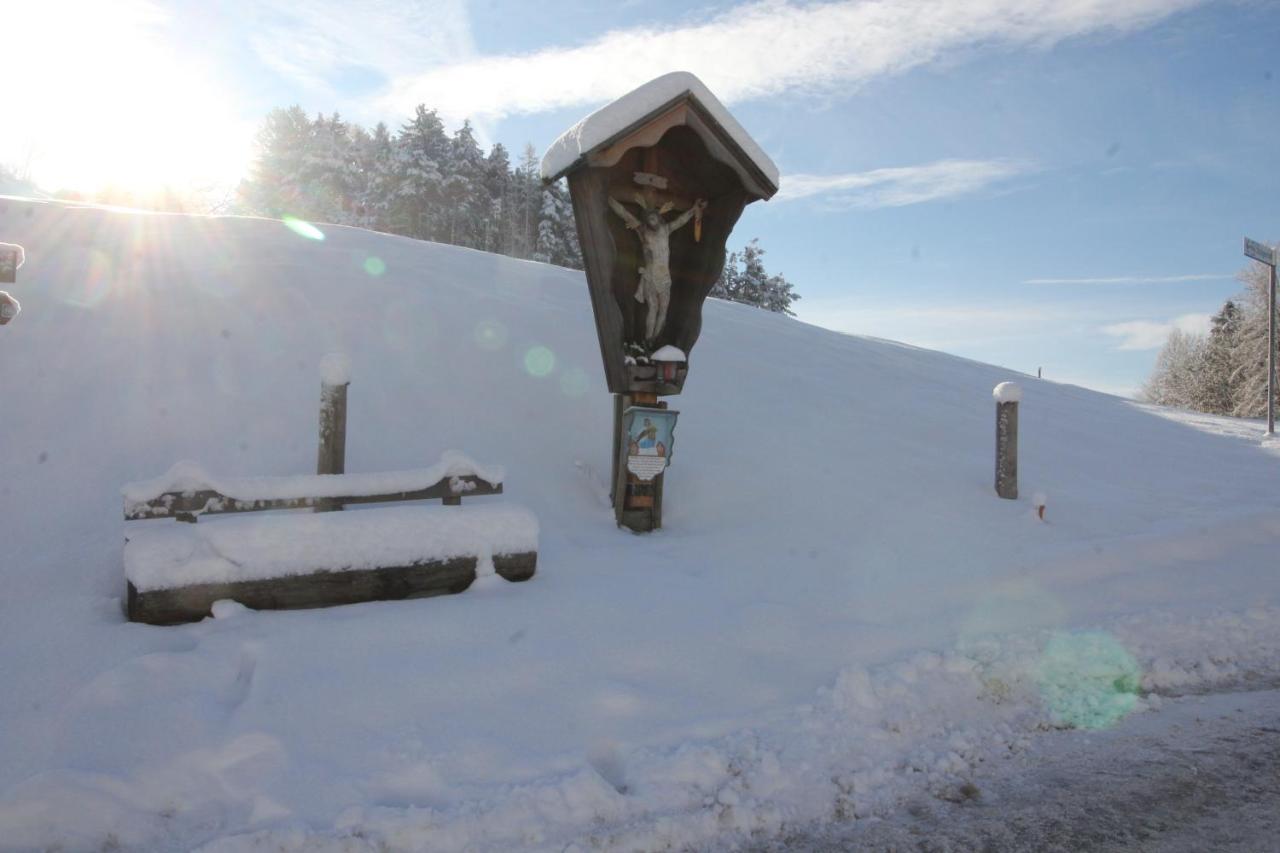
<point x="1026" y="182"/>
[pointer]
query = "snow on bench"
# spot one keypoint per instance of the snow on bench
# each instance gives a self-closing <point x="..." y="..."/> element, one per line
<point x="174" y="573"/>
<point x="187" y="490"/>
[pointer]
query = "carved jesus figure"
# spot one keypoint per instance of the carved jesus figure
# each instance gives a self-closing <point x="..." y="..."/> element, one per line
<point x="655" y="275"/>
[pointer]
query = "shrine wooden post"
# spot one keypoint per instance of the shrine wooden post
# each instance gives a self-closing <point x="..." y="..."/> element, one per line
<point x="11" y="257"/>
<point x="658" y="179"/>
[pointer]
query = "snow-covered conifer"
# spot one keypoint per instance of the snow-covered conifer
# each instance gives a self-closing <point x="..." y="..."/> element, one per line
<point x="744" y="279"/>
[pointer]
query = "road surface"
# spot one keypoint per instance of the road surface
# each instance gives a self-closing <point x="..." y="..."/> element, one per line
<point x="1200" y="774"/>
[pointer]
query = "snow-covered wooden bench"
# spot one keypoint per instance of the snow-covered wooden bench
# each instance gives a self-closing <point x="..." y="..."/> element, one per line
<point x="275" y="560"/>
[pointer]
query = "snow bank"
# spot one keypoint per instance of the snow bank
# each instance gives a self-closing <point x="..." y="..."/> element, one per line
<point x="1007" y="392"/>
<point x="607" y="122"/>
<point x="262" y="545"/>
<point x="187" y="477"/>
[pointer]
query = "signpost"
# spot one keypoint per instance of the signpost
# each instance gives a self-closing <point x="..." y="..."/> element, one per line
<point x="1264" y="254"/>
<point x="1259" y="251"/>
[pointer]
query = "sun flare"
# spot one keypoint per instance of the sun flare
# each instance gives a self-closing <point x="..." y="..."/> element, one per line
<point x="117" y="105"/>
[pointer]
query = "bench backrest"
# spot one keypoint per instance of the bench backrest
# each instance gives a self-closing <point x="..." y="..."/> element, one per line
<point x="327" y="491"/>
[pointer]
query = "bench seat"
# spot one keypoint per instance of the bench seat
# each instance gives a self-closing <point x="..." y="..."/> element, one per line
<point x="268" y="560"/>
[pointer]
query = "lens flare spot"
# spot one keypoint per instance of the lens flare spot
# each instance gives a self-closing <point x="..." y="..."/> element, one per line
<point x="1088" y="680"/>
<point x="574" y="382"/>
<point x="303" y="228"/>
<point x="539" y="361"/>
<point x="491" y="335"/>
<point x="375" y="266"/>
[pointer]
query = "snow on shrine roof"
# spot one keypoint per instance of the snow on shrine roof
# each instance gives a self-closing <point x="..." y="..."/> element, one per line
<point x="604" y="125"/>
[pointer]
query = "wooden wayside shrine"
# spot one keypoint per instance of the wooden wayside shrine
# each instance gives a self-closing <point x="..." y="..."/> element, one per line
<point x="658" y="180"/>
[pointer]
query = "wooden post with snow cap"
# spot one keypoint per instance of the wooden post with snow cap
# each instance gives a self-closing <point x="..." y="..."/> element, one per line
<point x="1007" y="395"/>
<point x="335" y="376"/>
<point x="11" y="257"/>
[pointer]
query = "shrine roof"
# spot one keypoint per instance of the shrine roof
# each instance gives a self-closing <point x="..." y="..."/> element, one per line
<point x="614" y="121"/>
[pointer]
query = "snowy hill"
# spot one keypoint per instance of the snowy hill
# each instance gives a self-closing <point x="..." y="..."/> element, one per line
<point x="838" y="608"/>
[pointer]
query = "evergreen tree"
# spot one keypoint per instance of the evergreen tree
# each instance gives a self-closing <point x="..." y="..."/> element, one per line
<point x="498" y="184"/>
<point x="379" y="181"/>
<point x="465" y="196"/>
<point x="528" y="204"/>
<point x="330" y="172"/>
<point x="420" y="182"/>
<point x="1219" y="377"/>
<point x="422" y="149"/>
<point x="276" y="186"/>
<point x="744" y="279"/>
<point x="557" y="237"/>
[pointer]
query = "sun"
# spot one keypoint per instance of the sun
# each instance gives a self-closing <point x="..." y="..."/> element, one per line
<point x="105" y="99"/>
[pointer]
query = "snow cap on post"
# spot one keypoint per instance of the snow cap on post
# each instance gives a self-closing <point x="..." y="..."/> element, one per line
<point x="1007" y="392"/>
<point x="669" y="353"/>
<point x="17" y="252"/>
<point x="592" y="137"/>
<point x="10" y="307"/>
<point x="335" y="369"/>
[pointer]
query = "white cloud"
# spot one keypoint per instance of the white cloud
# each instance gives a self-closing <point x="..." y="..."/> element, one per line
<point x="766" y="48"/>
<point x="1134" y="279"/>
<point x="312" y="42"/>
<point x="899" y="186"/>
<point x="1149" y="334"/>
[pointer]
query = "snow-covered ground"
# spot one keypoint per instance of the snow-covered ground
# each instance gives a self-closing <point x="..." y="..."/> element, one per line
<point x="838" y="613"/>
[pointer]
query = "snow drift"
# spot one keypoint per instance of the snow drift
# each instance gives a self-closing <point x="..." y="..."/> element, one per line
<point x="838" y="607"/>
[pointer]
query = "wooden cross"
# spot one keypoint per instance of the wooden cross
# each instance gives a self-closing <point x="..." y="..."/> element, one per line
<point x="656" y="192"/>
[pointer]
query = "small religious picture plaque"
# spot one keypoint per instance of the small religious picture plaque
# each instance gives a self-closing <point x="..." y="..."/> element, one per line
<point x="649" y="435"/>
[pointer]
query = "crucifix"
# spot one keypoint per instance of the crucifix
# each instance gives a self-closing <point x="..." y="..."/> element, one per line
<point x="655" y="241"/>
